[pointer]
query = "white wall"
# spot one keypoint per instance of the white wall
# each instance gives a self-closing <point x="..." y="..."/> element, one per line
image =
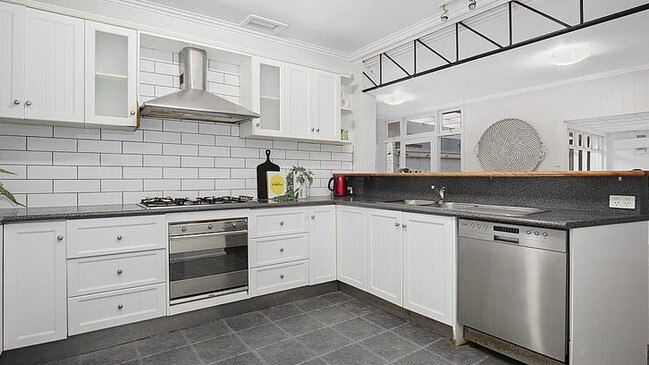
<point x="625" y="159"/>
<point x="547" y="109"/>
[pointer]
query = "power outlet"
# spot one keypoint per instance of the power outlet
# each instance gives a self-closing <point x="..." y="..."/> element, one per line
<point x="621" y="202"/>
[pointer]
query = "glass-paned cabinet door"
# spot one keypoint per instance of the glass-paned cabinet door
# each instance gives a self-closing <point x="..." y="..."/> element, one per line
<point x="451" y="121"/>
<point x="420" y="125"/>
<point x="418" y="156"/>
<point x="450" y="153"/>
<point x="111" y="83"/>
<point x="270" y="82"/>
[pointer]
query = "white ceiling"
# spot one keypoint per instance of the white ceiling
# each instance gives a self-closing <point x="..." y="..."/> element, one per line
<point x="614" y="124"/>
<point x="617" y="44"/>
<point x="340" y="25"/>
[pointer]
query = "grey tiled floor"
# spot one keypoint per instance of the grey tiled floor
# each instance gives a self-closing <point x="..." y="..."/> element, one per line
<point x="332" y="329"/>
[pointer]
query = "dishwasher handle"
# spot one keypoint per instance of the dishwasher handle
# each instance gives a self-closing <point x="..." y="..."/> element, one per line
<point x="505" y="239"/>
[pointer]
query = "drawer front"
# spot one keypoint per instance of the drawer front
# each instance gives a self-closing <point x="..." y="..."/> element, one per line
<point x="92" y="312"/>
<point x="93" y="237"/>
<point x="280" y="249"/>
<point x="271" y="279"/>
<point x="98" y="274"/>
<point x="273" y="222"/>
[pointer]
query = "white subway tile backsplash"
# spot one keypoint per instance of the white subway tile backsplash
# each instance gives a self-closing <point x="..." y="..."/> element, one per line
<point x="121" y="160"/>
<point x="99" y="146"/>
<point x="76" y="159"/>
<point x="25" y="158"/>
<point x="179" y="150"/>
<point x="51" y="172"/>
<point x="100" y="172"/>
<point x="165" y="137"/>
<point x="100" y="198"/>
<point x="76" y="186"/>
<point x="66" y="166"/>
<point x="142" y="148"/>
<point x="51" y="144"/>
<point x="198" y="139"/>
<point x="13" y="143"/>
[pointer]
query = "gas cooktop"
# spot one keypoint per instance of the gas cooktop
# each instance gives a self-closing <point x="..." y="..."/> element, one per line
<point x="167" y="202"/>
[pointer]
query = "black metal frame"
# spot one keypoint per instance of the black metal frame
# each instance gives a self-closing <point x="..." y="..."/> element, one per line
<point x="566" y="28"/>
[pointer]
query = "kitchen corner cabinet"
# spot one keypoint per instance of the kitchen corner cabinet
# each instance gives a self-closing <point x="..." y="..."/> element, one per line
<point x="351" y="242"/>
<point x="12" y="60"/>
<point x="295" y="102"/>
<point x="429" y="252"/>
<point x="384" y="233"/>
<point x="34" y="284"/>
<point x="322" y="244"/>
<point x="110" y="80"/>
<point x="54" y="68"/>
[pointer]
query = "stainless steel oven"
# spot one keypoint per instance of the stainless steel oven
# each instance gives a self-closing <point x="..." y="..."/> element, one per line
<point x="207" y="259"/>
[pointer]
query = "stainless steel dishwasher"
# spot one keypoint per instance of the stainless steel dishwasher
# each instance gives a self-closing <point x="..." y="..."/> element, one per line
<point x="512" y="289"/>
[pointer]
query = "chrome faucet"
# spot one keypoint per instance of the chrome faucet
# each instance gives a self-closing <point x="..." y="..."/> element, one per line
<point x="441" y="192"/>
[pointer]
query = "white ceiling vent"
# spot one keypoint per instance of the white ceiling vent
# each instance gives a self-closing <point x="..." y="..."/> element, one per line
<point x="259" y="23"/>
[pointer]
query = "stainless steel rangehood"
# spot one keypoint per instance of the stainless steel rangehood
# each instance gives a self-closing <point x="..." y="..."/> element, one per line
<point x="193" y="101"/>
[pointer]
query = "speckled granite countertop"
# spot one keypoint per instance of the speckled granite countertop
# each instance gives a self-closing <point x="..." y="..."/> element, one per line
<point x="556" y="218"/>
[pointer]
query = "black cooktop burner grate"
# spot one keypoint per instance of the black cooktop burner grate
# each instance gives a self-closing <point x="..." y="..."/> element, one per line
<point x="156" y="202"/>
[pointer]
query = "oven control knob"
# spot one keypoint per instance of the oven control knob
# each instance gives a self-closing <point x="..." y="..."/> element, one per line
<point x="545" y="234"/>
<point x="184" y="229"/>
<point x="209" y="226"/>
<point x="479" y="225"/>
<point x="472" y="225"/>
<point x="281" y="249"/>
<point x="528" y="232"/>
<point x="281" y="276"/>
<point x="536" y="233"/>
<point x="120" y="306"/>
<point x="119" y="271"/>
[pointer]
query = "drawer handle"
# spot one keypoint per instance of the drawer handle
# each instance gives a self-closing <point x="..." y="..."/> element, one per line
<point x="59" y="237"/>
<point x="120" y="306"/>
<point x="281" y="249"/>
<point x="119" y="271"/>
<point x="209" y="226"/>
<point x="119" y="237"/>
<point x="281" y="223"/>
<point x="396" y="224"/>
<point x="281" y="276"/>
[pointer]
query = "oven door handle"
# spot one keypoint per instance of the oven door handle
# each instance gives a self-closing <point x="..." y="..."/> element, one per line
<point x="209" y="241"/>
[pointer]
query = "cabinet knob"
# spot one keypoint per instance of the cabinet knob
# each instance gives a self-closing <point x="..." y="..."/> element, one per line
<point x="120" y="306"/>
<point x="132" y="112"/>
<point x="313" y="217"/>
<point x="281" y="223"/>
<point x="184" y="229"/>
<point x="209" y="226"/>
<point x="59" y="237"/>
<point x="281" y="249"/>
<point x="16" y="102"/>
<point x="119" y="237"/>
<point x="28" y="103"/>
<point x="312" y="129"/>
<point x="404" y="225"/>
<point x="281" y="276"/>
<point x="257" y="124"/>
<point x="396" y="224"/>
<point x="318" y="130"/>
<point x="119" y="271"/>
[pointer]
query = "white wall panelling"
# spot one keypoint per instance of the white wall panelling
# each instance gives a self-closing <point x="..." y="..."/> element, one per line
<point x="66" y="166"/>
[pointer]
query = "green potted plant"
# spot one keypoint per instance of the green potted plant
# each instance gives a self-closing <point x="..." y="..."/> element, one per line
<point x="6" y="193"/>
<point x="298" y="181"/>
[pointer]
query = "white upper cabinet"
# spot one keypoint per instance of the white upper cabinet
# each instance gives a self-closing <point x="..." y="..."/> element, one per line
<point x="429" y="252"/>
<point x="111" y="81"/>
<point x="12" y="60"/>
<point x="384" y="251"/>
<point x="54" y="67"/>
<point x="269" y="99"/>
<point x="35" y="284"/>
<point x="326" y="105"/>
<point x="299" y="101"/>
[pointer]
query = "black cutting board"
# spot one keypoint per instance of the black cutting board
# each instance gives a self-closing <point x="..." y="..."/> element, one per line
<point x="262" y="169"/>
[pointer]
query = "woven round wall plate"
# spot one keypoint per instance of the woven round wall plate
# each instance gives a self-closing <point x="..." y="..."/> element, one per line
<point x="510" y="145"/>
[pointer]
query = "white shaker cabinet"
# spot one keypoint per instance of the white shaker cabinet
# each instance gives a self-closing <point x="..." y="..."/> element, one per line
<point x="322" y="244"/>
<point x="299" y="101"/>
<point x="12" y="60"/>
<point x="110" y="70"/>
<point x="326" y="105"/>
<point x="384" y="234"/>
<point x="54" y="67"/>
<point x="429" y="265"/>
<point x="34" y="284"/>
<point x="269" y="99"/>
<point x="351" y="242"/>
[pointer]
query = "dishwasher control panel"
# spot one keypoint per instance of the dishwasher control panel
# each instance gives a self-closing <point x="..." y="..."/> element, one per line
<point x="533" y="237"/>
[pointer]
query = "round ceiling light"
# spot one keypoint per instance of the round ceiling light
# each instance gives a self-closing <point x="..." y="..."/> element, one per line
<point x="564" y="56"/>
<point x="396" y="98"/>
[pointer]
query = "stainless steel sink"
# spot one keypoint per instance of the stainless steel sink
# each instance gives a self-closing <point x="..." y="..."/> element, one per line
<point x="509" y="211"/>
